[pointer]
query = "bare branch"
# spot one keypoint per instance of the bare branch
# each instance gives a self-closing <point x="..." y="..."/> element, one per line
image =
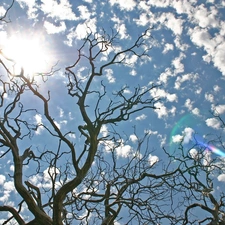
<point x="3" y="18"/>
<point x="14" y="213"/>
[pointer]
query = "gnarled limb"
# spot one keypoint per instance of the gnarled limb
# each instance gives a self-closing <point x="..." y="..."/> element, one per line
<point x="15" y="214"/>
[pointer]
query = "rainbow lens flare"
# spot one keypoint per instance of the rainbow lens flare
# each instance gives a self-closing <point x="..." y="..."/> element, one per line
<point x="213" y="149"/>
<point x="189" y="120"/>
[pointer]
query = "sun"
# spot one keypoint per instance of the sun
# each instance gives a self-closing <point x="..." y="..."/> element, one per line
<point x="28" y="53"/>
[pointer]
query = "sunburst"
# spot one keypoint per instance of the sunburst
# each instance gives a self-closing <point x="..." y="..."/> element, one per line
<point x="28" y="53"/>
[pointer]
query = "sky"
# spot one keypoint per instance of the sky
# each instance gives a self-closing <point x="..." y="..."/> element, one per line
<point x="187" y="61"/>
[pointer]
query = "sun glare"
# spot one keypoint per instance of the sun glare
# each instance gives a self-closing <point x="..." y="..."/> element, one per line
<point x="27" y="53"/>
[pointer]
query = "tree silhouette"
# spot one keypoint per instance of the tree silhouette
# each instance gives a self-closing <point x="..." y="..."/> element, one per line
<point x="74" y="191"/>
<point x="84" y="185"/>
<point x="202" y="200"/>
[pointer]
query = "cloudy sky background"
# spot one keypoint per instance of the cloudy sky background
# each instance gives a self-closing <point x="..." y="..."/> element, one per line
<point x="187" y="59"/>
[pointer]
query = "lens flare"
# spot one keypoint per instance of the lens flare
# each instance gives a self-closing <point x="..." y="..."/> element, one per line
<point x="189" y="121"/>
<point x="186" y="121"/>
<point x="212" y="148"/>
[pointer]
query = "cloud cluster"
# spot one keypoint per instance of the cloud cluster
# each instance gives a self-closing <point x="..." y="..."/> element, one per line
<point x="185" y="137"/>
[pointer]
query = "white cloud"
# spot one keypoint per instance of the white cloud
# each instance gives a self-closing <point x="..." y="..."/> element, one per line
<point x="70" y="116"/>
<point x="220" y="109"/>
<point x="38" y="121"/>
<point x="221" y="177"/>
<point x="60" y="11"/>
<point x="216" y="88"/>
<point x="151" y="132"/>
<point x="177" y="138"/>
<point x="2" y="10"/>
<point x="127" y="91"/>
<point x="207" y="158"/>
<point x="160" y="93"/>
<point x="109" y="75"/>
<point x="187" y="133"/>
<point x="5" y="197"/>
<point x="196" y="111"/>
<point x="162" y="111"/>
<point x="165" y="75"/>
<point x="153" y="159"/>
<point x="84" y="12"/>
<point x="174" y="24"/>
<point x="186" y="77"/>
<point x="171" y="97"/>
<point x="72" y="135"/>
<point x="2" y="179"/>
<point x="53" y="29"/>
<point x="219" y="57"/>
<point x="183" y="7"/>
<point x="166" y="19"/>
<point x="143" y="19"/>
<point x="179" y="43"/>
<point x="179" y="67"/>
<point x="188" y="104"/>
<point x="109" y="145"/>
<point x="133" y="138"/>
<point x="214" y="47"/>
<point x="207" y="58"/>
<point x="36" y="180"/>
<point x="143" y="5"/>
<point x="81" y="31"/>
<point x="31" y="5"/>
<point x="131" y="60"/>
<point x="213" y="122"/>
<point x="167" y="47"/>
<point x="194" y="153"/>
<point x="205" y="18"/>
<point x="222" y="28"/>
<point x="209" y="97"/>
<point x="47" y="174"/>
<point x="50" y="172"/>
<point x="160" y="3"/>
<point x="127" y="5"/>
<point x="186" y="136"/>
<point x="123" y="150"/>
<point x="199" y="90"/>
<point x="63" y="122"/>
<point x="11" y="168"/>
<point x="202" y="38"/>
<point x="9" y="186"/>
<point x="133" y="72"/>
<point x="141" y="117"/>
<point x="173" y="110"/>
<point x="104" y="130"/>
<point x="61" y="112"/>
<point x="162" y="140"/>
<point x="122" y="31"/>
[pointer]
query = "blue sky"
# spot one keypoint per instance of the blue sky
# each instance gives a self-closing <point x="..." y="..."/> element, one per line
<point x="187" y="60"/>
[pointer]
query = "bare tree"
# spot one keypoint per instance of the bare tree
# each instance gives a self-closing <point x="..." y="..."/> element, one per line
<point x="196" y="190"/>
<point x="87" y="182"/>
<point x="84" y="185"/>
